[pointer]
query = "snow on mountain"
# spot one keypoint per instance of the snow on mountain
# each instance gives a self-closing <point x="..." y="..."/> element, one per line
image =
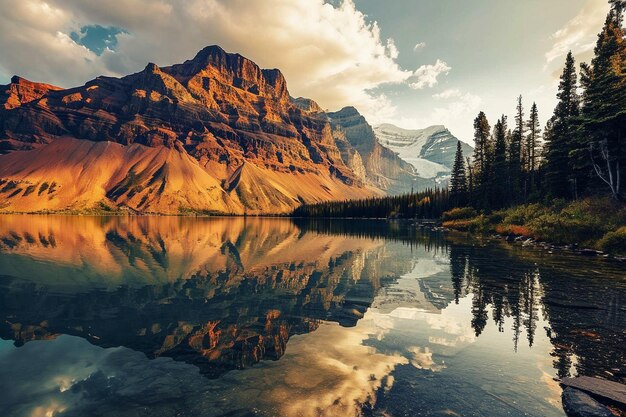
<point x="431" y="150"/>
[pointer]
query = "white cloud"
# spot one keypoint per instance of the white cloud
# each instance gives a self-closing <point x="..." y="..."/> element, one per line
<point x="427" y="75"/>
<point x="462" y="107"/>
<point x="392" y="49"/>
<point x="379" y="109"/>
<point x="447" y="94"/>
<point x="423" y="359"/>
<point x="419" y="45"/>
<point x="332" y="54"/>
<point x="580" y="33"/>
<point x="456" y="111"/>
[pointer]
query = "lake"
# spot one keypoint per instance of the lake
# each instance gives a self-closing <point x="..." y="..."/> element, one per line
<point x="181" y="316"/>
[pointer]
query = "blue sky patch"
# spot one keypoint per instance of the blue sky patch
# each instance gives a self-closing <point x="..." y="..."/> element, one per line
<point x="97" y="38"/>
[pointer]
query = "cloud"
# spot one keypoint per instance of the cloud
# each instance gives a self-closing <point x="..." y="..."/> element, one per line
<point x="423" y="359"/>
<point x="455" y="110"/>
<point x="316" y="378"/>
<point x="331" y="53"/>
<point x="392" y="49"/>
<point x="427" y="75"/>
<point x="462" y="105"/>
<point x="418" y="46"/>
<point x="580" y="33"/>
<point x="447" y="94"/>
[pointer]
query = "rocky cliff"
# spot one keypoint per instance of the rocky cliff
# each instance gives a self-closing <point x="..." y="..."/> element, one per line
<point x="213" y="134"/>
<point x="373" y="163"/>
<point x="21" y="91"/>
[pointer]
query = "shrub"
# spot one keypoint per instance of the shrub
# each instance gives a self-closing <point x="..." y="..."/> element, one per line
<point x="522" y="215"/>
<point x="29" y="190"/>
<point x="513" y="229"/>
<point x="496" y="217"/>
<point x="589" y="222"/>
<point x="459" y="213"/>
<point x="614" y="242"/>
<point x="563" y="228"/>
<point x="462" y="225"/>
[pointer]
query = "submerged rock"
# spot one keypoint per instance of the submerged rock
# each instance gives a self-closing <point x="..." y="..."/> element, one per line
<point x="579" y="404"/>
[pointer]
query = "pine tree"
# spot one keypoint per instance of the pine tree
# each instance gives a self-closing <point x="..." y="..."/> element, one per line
<point x="482" y="156"/>
<point x="499" y="186"/>
<point x="562" y="136"/>
<point x="532" y="146"/>
<point x="470" y="182"/>
<point x="515" y="151"/>
<point x="602" y="144"/>
<point x="618" y="7"/>
<point x="458" y="181"/>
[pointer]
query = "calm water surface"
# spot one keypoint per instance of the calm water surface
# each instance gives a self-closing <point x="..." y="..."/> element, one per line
<point x="160" y="316"/>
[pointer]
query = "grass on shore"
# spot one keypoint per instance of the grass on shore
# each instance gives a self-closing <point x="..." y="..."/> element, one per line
<point x="598" y="223"/>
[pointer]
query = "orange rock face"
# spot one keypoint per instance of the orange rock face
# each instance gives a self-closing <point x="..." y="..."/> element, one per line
<point x="22" y="91"/>
<point x="215" y="133"/>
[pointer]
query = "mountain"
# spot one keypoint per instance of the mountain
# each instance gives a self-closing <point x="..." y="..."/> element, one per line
<point x="375" y="164"/>
<point x="214" y="134"/>
<point x="430" y="151"/>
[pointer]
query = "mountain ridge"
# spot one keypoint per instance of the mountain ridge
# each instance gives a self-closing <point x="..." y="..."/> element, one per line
<point x="381" y="167"/>
<point x="221" y="135"/>
<point x="219" y="114"/>
<point x="430" y="150"/>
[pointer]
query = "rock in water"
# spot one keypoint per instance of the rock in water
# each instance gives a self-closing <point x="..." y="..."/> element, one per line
<point x="579" y="404"/>
<point x="612" y="391"/>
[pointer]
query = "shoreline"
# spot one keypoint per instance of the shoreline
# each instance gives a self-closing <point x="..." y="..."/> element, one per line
<point x="519" y="240"/>
<point x="546" y="246"/>
<point x="191" y="214"/>
<point x="592" y="226"/>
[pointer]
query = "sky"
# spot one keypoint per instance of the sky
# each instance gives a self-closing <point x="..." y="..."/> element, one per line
<point x="412" y="63"/>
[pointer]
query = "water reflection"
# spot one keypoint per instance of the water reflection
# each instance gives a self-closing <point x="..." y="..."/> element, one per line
<point x="582" y="301"/>
<point x="221" y="294"/>
<point x="367" y="318"/>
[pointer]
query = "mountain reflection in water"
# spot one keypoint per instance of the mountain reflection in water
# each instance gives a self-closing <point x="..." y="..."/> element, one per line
<point x="367" y="318"/>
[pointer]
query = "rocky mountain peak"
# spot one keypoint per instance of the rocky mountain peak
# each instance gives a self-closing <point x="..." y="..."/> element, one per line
<point x="16" y="79"/>
<point x="21" y="91"/>
<point x="307" y="105"/>
<point x="213" y="55"/>
<point x="381" y="167"/>
<point x="213" y="62"/>
<point x="350" y="117"/>
<point x="151" y="68"/>
<point x="348" y="111"/>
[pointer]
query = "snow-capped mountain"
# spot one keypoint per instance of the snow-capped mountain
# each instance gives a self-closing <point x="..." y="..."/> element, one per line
<point x="431" y="150"/>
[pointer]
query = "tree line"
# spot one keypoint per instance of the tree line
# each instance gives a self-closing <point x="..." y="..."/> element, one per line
<point x="580" y="152"/>
<point x="428" y="204"/>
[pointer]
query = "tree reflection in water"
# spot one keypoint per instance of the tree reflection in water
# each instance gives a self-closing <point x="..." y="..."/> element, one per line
<point x="581" y="299"/>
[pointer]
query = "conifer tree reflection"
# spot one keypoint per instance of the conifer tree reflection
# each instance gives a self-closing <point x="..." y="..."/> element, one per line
<point x="583" y="308"/>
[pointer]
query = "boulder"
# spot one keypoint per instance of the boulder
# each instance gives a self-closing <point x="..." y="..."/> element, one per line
<point x="579" y="404"/>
